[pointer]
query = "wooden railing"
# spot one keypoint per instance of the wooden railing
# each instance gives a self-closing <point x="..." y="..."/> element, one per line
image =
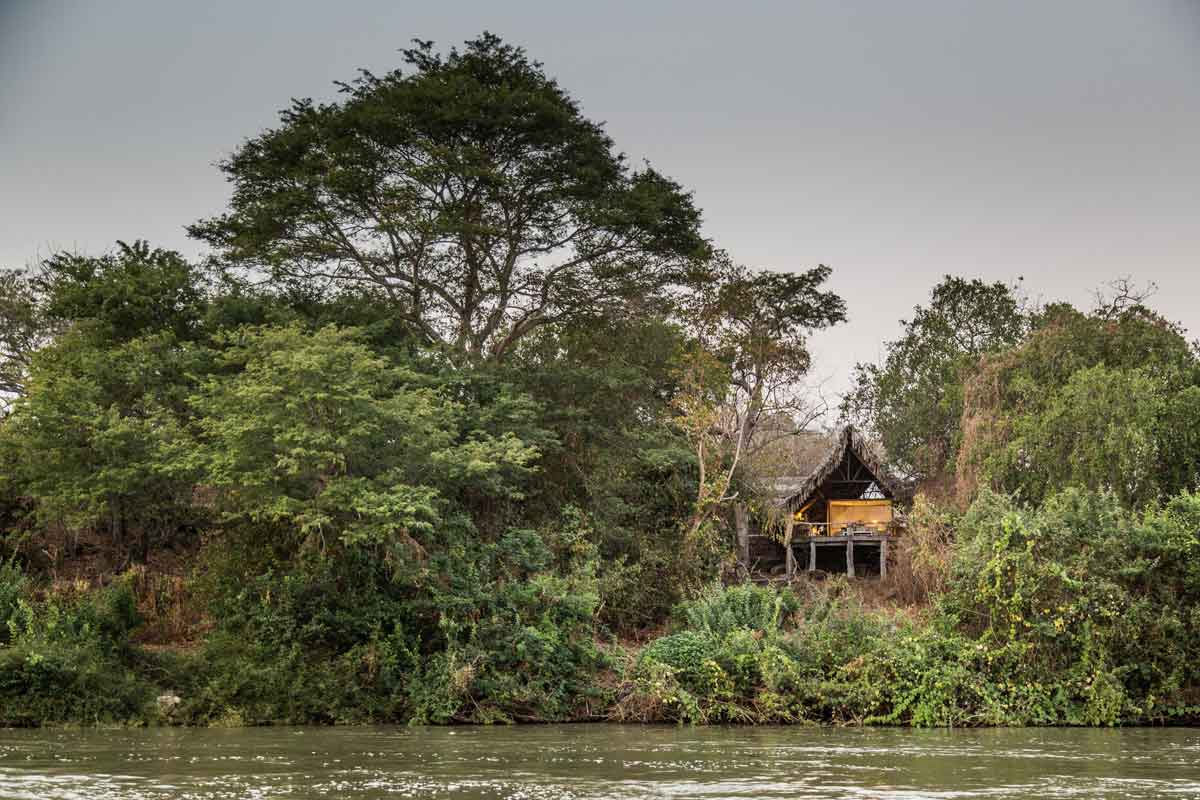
<point x="842" y="528"/>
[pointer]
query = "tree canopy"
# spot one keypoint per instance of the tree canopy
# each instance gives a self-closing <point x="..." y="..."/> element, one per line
<point x="23" y="328"/>
<point x="1106" y="401"/>
<point x="322" y="439"/>
<point x="134" y="290"/>
<point x="471" y="190"/>
<point x="912" y="401"/>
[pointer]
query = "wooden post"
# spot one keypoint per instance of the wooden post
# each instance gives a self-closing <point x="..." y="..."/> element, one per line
<point x="789" y="556"/>
<point x="850" y="556"/>
<point x="883" y="548"/>
<point x="812" y="555"/>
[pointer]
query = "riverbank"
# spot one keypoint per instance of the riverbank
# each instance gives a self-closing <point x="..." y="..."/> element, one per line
<point x="1074" y="613"/>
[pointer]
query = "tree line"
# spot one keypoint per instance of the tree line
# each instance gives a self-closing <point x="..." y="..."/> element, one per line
<point x="460" y="406"/>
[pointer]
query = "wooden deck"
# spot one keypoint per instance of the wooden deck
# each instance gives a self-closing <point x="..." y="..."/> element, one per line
<point x="846" y="540"/>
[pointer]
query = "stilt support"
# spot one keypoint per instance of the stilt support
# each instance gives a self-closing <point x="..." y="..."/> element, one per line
<point x="789" y="556"/>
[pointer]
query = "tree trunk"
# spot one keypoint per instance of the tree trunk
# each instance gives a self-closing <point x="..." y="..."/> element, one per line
<point x="118" y="528"/>
<point x="789" y="557"/>
<point x="741" y="521"/>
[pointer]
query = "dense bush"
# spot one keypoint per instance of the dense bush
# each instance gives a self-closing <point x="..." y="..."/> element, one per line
<point x="514" y="638"/>
<point x="729" y="651"/>
<point x="495" y="631"/>
<point x="327" y="641"/>
<point x="1103" y="401"/>
<point x="68" y="658"/>
<point x="1076" y="612"/>
<point x="721" y="611"/>
<point x="1095" y="603"/>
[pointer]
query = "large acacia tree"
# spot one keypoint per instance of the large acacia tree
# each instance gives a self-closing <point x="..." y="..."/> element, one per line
<point x="470" y="189"/>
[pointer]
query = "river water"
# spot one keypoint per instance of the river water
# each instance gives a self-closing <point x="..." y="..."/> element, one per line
<point x="594" y="761"/>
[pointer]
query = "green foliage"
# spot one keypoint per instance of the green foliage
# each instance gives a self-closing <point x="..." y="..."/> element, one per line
<point x="23" y="328"/>
<point x="1088" y="596"/>
<point x="124" y="295"/>
<point x="330" y="641"/>
<point x="922" y="676"/>
<point x="1105" y="403"/>
<point x="729" y="652"/>
<point x="98" y="441"/>
<point x="1103" y="430"/>
<point x="69" y="659"/>
<point x="913" y="400"/>
<point x="470" y="189"/>
<point x="758" y="322"/>
<point x="721" y="611"/>
<point x="515" y="636"/>
<point x="688" y="653"/>
<point x="318" y="438"/>
<point x="13" y="587"/>
<point x="616" y="463"/>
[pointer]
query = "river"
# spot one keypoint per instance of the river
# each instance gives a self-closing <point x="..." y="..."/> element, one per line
<point x="597" y="761"/>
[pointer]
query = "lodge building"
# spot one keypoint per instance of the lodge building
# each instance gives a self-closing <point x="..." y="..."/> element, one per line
<point x="839" y="517"/>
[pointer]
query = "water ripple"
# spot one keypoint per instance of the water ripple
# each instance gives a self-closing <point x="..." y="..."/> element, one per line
<point x="597" y="761"/>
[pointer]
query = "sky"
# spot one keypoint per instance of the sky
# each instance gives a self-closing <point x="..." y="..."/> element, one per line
<point x="1058" y="142"/>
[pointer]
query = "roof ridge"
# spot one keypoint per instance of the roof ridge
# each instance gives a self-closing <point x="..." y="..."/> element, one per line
<point x="849" y="438"/>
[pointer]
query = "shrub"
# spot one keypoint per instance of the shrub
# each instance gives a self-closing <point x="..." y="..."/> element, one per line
<point x="12" y="587"/>
<point x="721" y="611"/>
<point x="686" y="653"/>
<point x="69" y="659"/>
<point x="515" y="636"/>
<point x="328" y="641"/>
<point x="1088" y="597"/>
<point x="721" y="665"/>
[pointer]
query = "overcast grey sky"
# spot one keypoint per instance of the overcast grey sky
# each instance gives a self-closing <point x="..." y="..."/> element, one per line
<point x="894" y="141"/>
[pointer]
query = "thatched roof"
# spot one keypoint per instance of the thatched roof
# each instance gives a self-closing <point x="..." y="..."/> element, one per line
<point x="795" y="492"/>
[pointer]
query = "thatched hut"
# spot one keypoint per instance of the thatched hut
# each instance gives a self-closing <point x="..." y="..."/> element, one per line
<point x="839" y="514"/>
